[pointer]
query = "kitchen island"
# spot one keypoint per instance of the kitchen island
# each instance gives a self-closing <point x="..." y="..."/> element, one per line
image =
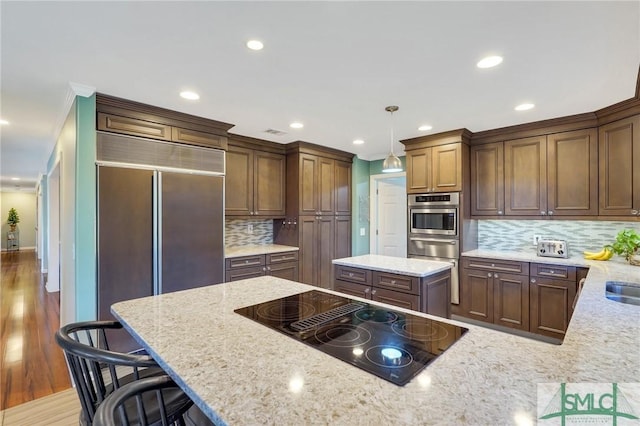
<point x="242" y="373"/>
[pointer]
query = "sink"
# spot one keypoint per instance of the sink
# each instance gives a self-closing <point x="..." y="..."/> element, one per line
<point x="623" y="292"/>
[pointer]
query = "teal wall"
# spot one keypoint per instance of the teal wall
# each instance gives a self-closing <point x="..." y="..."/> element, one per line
<point x="85" y="210"/>
<point x="361" y="172"/>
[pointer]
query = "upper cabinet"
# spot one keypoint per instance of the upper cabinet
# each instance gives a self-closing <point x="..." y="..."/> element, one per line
<point x="437" y="163"/>
<point x="548" y="175"/>
<point x="136" y="119"/>
<point x="255" y="179"/>
<point x="619" y="156"/>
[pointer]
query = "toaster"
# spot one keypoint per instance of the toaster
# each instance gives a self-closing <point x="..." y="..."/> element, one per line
<point x="552" y="248"/>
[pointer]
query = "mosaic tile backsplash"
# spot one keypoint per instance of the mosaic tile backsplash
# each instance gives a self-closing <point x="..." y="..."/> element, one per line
<point x="517" y="235"/>
<point x="236" y="232"/>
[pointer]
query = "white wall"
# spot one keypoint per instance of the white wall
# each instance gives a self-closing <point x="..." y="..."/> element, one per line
<point x="25" y="205"/>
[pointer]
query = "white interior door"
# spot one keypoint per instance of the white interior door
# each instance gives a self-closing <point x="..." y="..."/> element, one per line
<point x="389" y="218"/>
<point x="53" y="250"/>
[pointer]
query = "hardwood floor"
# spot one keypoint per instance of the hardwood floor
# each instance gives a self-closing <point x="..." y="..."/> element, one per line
<point x="32" y="364"/>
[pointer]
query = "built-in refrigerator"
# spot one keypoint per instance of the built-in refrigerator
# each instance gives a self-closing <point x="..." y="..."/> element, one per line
<point x="160" y="221"/>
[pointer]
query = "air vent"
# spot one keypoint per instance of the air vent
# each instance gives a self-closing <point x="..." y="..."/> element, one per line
<point x="275" y="132"/>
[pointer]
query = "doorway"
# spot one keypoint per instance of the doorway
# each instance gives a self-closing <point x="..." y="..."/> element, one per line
<point x="53" y="249"/>
<point x="388" y="214"/>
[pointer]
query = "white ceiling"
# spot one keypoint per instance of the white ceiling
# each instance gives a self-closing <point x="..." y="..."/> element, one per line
<point x="334" y="66"/>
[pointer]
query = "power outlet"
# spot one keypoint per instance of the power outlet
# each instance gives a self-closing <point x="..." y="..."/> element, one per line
<point x="362" y="232"/>
<point x="536" y="238"/>
<point x="250" y="228"/>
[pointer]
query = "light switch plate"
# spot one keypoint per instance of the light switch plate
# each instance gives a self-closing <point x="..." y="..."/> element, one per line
<point x="363" y="232"/>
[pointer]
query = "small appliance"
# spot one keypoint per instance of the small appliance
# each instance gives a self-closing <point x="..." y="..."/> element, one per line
<point x="552" y="248"/>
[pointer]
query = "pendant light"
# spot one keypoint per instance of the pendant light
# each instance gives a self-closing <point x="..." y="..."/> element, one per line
<point x="391" y="164"/>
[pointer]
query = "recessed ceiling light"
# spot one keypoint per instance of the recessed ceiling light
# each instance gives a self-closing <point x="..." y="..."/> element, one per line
<point x="255" y="45"/>
<point x="15" y="178"/>
<point x="192" y="96"/>
<point x="358" y="142"/>
<point x="489" y="61"/>
<point x="425" y="127"/>
<point x="3" y="122"/>
<point x="296" y="125"/>
<point x="524" y="107"/>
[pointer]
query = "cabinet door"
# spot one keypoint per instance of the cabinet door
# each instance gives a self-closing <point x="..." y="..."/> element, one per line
<point x="326" y="186"/>
<point x="308" y="184"/>
<point x="353" y="289"/>
<point x="287" y="270"/>
<point x="396" y="298"/>
<point x="133" y="126"/>
<point x="446" y="168"/>
<point x="325" y="238"/>
<point x="419" y="170"/>
<point x="342" y="188"/>
<point x="269" y="184"/>
<point x="572" y="161"/>
<point x="619" y="156"/>
<point x="194" y="137"/>
<point x="308" y="253"/>
<point x="525" y="173"/>
<point x="342" y="237"/>
<point x="487" y="179"/>
<point x="551" y="302"/>
<point x="238" y="194"/>
<point x="476" y="291"/>
<point x="511" y="300"/>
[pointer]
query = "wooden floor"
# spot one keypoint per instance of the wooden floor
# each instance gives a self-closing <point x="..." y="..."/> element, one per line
<point x="32" y="364"/>
<point x="59" y="409"/>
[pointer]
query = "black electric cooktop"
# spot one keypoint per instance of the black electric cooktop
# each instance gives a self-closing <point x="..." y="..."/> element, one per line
<point x="393" y="345"/>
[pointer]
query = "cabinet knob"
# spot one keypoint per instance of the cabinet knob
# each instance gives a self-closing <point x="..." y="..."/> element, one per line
<point x="533" y="280"/>
<point x="367" y="290"/>
<point x="268" y="268"/>
<point x="543" y="213"/>
<point x="635" y="212"/>
<point x="373" y="291"/>
<point x="489" y="275"/>
<point x="393" y="281"/>
<point x="264" y="269"/>
<point x="246" y="261"/>
<point x="251" y="213"/>
<point x="499" y="211"/>
<point x="495" y="276"/>
<point x="550" y="212"/>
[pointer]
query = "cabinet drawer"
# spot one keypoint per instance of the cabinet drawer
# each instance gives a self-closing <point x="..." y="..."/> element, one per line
<point x="194" y="137"/>
<point x="352" y="289"/>
<point x="289" y="256"/>
<point x="132" y="126"/>
<point x="553" y="271"/>
<point x="496" y="265"/>
<point x="391" y="281"/>
<point x="244" y="273"/>
<point x="396" y="298"/>
<point x="245" y="261"/>
<point x="355" y="275"/>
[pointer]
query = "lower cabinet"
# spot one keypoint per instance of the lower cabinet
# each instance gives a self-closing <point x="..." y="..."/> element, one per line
<point x="532" y="297"/>
<point x="281" y="265"/>
<point x="429" y="294"/>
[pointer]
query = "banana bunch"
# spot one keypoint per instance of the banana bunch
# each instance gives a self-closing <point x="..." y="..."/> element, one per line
<point x="604" y="254"/>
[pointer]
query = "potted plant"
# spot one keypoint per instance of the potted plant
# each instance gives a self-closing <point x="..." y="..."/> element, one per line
<point x="13" y="219"/>
<point x="627" y="244"/>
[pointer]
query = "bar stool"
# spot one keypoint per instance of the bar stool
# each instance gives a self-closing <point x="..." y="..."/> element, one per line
<point x="97" y="371"/>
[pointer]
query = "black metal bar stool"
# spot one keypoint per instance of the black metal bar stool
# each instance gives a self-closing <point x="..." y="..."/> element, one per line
<point x="97" y="371"/>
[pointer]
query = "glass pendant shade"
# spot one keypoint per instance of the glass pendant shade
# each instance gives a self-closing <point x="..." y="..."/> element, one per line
<point x="391" y="164"/>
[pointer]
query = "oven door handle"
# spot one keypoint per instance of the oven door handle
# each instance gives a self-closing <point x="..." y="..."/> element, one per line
<point x="435" y="240"/>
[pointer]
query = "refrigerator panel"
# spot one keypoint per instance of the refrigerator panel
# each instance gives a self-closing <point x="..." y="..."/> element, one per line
<point x="192" y="231"/>
<point x="125" y="241"/>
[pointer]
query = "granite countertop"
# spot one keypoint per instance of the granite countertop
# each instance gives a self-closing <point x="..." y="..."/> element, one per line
<point x="578" y="261"/>
<point x="396" y="265"/>
<point x="255" y="249"/>
<point x="243" y="373"/>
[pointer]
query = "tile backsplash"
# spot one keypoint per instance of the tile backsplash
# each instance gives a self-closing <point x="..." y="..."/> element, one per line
<point x="237" y="233"/>
<point x="517" y="235"/>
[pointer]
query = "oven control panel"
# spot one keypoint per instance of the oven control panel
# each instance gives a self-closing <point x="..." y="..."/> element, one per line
<point x="552" y="248"/>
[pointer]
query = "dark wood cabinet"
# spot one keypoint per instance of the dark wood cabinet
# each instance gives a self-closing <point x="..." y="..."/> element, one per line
<point x="619" y="157"/>
<point x="525" y="175"/>
<point x="435" y="169"/>
<point x="487" y="179"/>
<point x="553" y="290"/>
<point x="428" y="294"/>
<point x="282" y="265"/>
<point x="318" y="199"/>
<point x="133" y="127"/>
<point x="496" y="292"/>
<point x="195" y="137"/>
<point x="255" y="183"/>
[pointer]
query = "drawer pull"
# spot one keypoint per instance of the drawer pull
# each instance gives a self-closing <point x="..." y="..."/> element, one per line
<point x="533" y="281"/>
<point x="489" y="275"/>
<point x="495" y="275"/>
<point x="350" y="274"/>
<point x="393" y="281"/>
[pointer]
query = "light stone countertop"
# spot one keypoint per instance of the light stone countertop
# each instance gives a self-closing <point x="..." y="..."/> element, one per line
<point x="396" y="265"/>
<point x="255" y="249"/>
<point x="243" y="373"/>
